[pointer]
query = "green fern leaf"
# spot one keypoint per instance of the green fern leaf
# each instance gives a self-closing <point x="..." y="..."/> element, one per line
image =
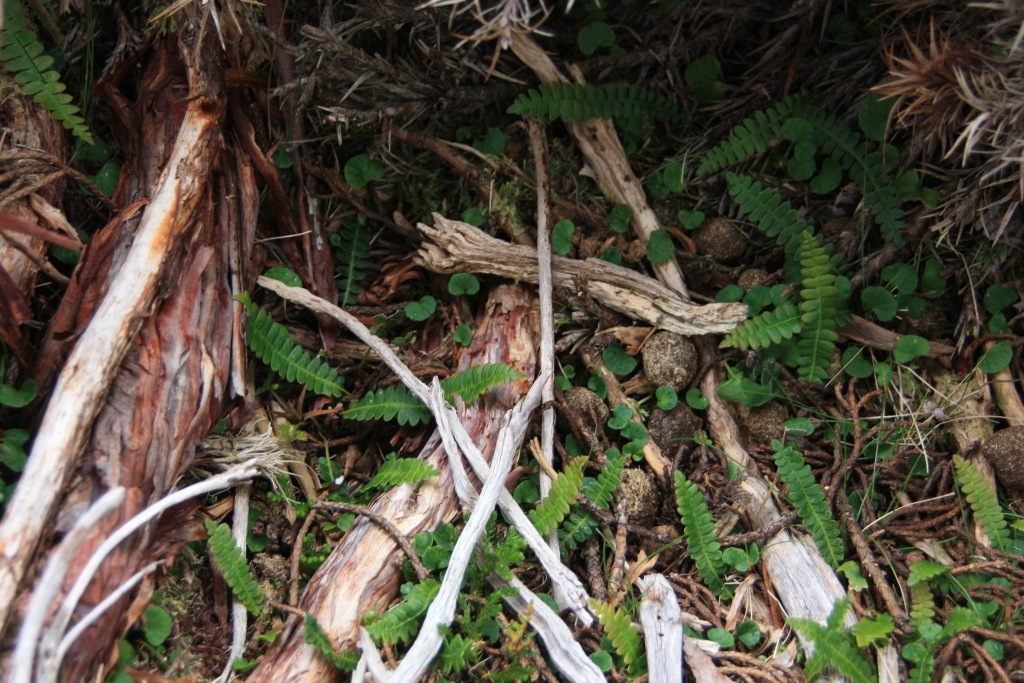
<point x="550" y="512"/>
<point x="473" y="382"/>
<point x="765" y="207"/>
<point x="402" y="622"/>
<point x="832" y="647"/>
<point x="402" y="471"/>
<point x="455" y="655"/>
<point x="701" y="541"/>
<point x="600" y="490"/>
<point x="354" y="256"/>
<point x="623" y="633"/>
<point x="866" y="168"/>
<point x="315" y="636"/>
<point x="923" y="669"/>
<point x="387" y="404"/>
<point x="273" y="345"/>
<point x="576" y="102"/>
<point x="922" y="604"/>
<point x="577" y="528"/>
<point x="750" y="137"/>
<point x="809" y="501"/>
<point x="21" y="52"/>
<point x="231" y="561"/>
<point x="818" y="318"/>
<point x="983" y="501"/>
<point x="770" y="327"/>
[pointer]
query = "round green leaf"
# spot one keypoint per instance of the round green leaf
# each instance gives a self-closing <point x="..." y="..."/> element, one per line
<point x="285" y="275"/>
<point x="493" y="143"/>
<point x="620" y="416"/>
<point x="667" y="398"/>
<point x="361" y="169"/>
<point x="932" y="282"/>
<point x="422" y="309"/>
<point x="282" y="158"/>
<point x="909" y="347"/>
<point x="620" y="216"/>
<point x="562" y="383"/>
<point x="799" y="426"/>
<point x="18" y="398"/>
<point x="883" y="373"/>
<point x="801" y="169"/>
<point x="690" y="220"/>
<point x="473" y="217"/>
<point x="994" y="648"/>
<point x="672" y="176"/>
<point x="749" y="633"/>
<point x="798" y="130"/>
<point x="526" y="493"/>
<point x="702" y="77"/>
<point x="998" y="297"/>
<point x="696" y="400"/>
<point x="595" y="35"/>
<point x="901" y="277"/>
<point x="737" y="559"/>
<point x="856" y="363"/>
<point x="729" y="294"/>
<point x="880" y="301"/>
<point x="997" y="325"/>
<point x="463" y="335"/>
<point x="828" y="179"/>
<point x="612" y="255"/>
<point x="996" y="358"/>
<point x="561" y="236"/>
<point x="757" y="299"/>
<point x="722" y="637"/>
<point x="602" y="659"/>
<point x="660" y="247"/>
<point x="598" y="386"/>
<point x="874" y="115"/>
<point x="107" y="177"/>
<point x="878" y="450"/>
<point x="617" y="360"/>
<point x="158" y="625"/>
<point x="463" y="283"/>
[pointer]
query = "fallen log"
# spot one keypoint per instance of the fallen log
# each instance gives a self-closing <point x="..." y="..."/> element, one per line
<point x="364" y="571"/>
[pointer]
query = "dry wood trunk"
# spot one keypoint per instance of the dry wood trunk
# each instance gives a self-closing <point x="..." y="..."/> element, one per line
<point x="137" y="412"/>
<point x="363" y="571"/>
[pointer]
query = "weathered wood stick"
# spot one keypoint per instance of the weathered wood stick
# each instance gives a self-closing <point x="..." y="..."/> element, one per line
<point x="662" y="621"/>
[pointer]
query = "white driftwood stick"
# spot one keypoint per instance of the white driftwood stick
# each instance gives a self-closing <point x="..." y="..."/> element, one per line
<point x="662" y="622"/>
<point x="374" y="665"/>
<point x="77" y="396"/>
<point x="442" y="609"/>
<point x="444" y="414"/>
<point x="459" y="247"/>
<point x="51" y="640"/>
<point x="600" y="145"/>
<point x="50" y="583"/>
<point x="239" y="612"/>
<point x="567" y="581"/>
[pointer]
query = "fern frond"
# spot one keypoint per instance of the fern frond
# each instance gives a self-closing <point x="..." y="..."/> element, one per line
<point x="765" y="207"/>
<point x="701" y="541"/>
<point x="402" y="622"/>
<point x="455" y="655"/>
<point x="832" y="647"/>
<point x="550" y="512"/>
<point x="600" y="490"/>
<point x="22" y="54"/>
<point x="818" y="319"/>
<point x="576" y="102"/>
<point x="750" y="137"/>
<point x="402" y="471"/>
<point x="623" y="633"/>
<point x="923" y="669"/>
<point x="231" y="561"/>
<point x="770" y="327"/>
<point x="471" y="383"/>
<point x="866" y="167"/>
<point x="354" y="255"/>
<point x="809" y="500"/>
<point x="922" y="604"/>
<point x="273" y="345"/>
<point x="315" y="636"/>
<point x="387" y="404"/>
<point x="577" y="528"/>
<point x="983" y="501"/>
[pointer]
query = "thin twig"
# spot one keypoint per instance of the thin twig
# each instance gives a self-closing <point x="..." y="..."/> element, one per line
<point x="387" y="525"/>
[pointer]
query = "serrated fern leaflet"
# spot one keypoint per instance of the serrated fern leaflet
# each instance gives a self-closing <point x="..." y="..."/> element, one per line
<point x="550" y="512"/>
<point x="770" y="327"/>
<point x="231" y="561"/>
<point x="353" y="254"/>
<point x="749" y="138"/>
<point x="983" y="501"/>
<point x="809" y="500"/>
<point x="402" y="471"/>
<point x="818" y="311"/>
<point x="765" y="207"/>
<point x="623" y="633"/>
<point x="571" y="102"/>
<point x="402" y="622"/>
<point x="273" y="345"/>
<point x="315" y="636"/>
<point x="701" y="541"/>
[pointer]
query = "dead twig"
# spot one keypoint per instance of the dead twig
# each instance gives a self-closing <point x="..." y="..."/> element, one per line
<point x="383" y="522"/>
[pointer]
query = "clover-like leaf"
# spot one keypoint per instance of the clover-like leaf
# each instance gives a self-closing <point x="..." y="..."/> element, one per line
<point x="620" y="216"/>
<point x="667" y="398"/>
<point x="422" y="309"/>
<point x="909" y="347"/>
<point x="880" y="301"/>
<point x="463" y="335"/>
<point x="493" y="143"/>
<point x="697" y="400"/>
<point x="561" y="236"/>
<point x="672" y="176"/>
<point x="660" y="247"/>
<point x="361" y="169"/>
<point x="996" y="358"/>
<point x="18" y="398"/>
<point x="285" y="275"/>
<point x="690" y="220"/>
<point x="463" y="283"/>
<point x="998" y="297"/>
<point x="873" y="117"/>
<point x="595" y="35"/>
<point x="616" y="360"/>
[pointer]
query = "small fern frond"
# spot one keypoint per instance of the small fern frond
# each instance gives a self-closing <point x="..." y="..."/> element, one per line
<point x="471" y="383"/>
<point x="770" y="327"/>
<point x="750" y="137"/>
<point x="402" y="622"/>
<point x="273" y="345"/>
<point x="231" y="561"/>
<point x="402" y="471"/>
<point x="701" y="541"/>
<point x="866" y="168"/>
<point x="550" y="512"/>
<point x="354" y="255"/>
<point x="924" y="668"/>
<point x="765" y="207"/>
<point x="600" y="490"/>
<point x="387" y="404"/>
<point x="818" y="319"/>
<point x="832" y="647"/>
<point x="577" y="528"/>
<point x="315" y="636"/>
<point x="623" y="633"/>
<point x="576" y="102"/>
<point x="22" y="54"/>
<point x="922" y="604"/>
<point x="983" y="501"/>
<point x="809" y="500"/>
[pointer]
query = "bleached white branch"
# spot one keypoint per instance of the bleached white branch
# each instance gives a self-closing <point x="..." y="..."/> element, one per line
<point x="662" y="622"/>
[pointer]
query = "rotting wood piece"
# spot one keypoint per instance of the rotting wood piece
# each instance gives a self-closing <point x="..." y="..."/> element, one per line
<point x="364" y="570"/>
<point x="459" y="247"/>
